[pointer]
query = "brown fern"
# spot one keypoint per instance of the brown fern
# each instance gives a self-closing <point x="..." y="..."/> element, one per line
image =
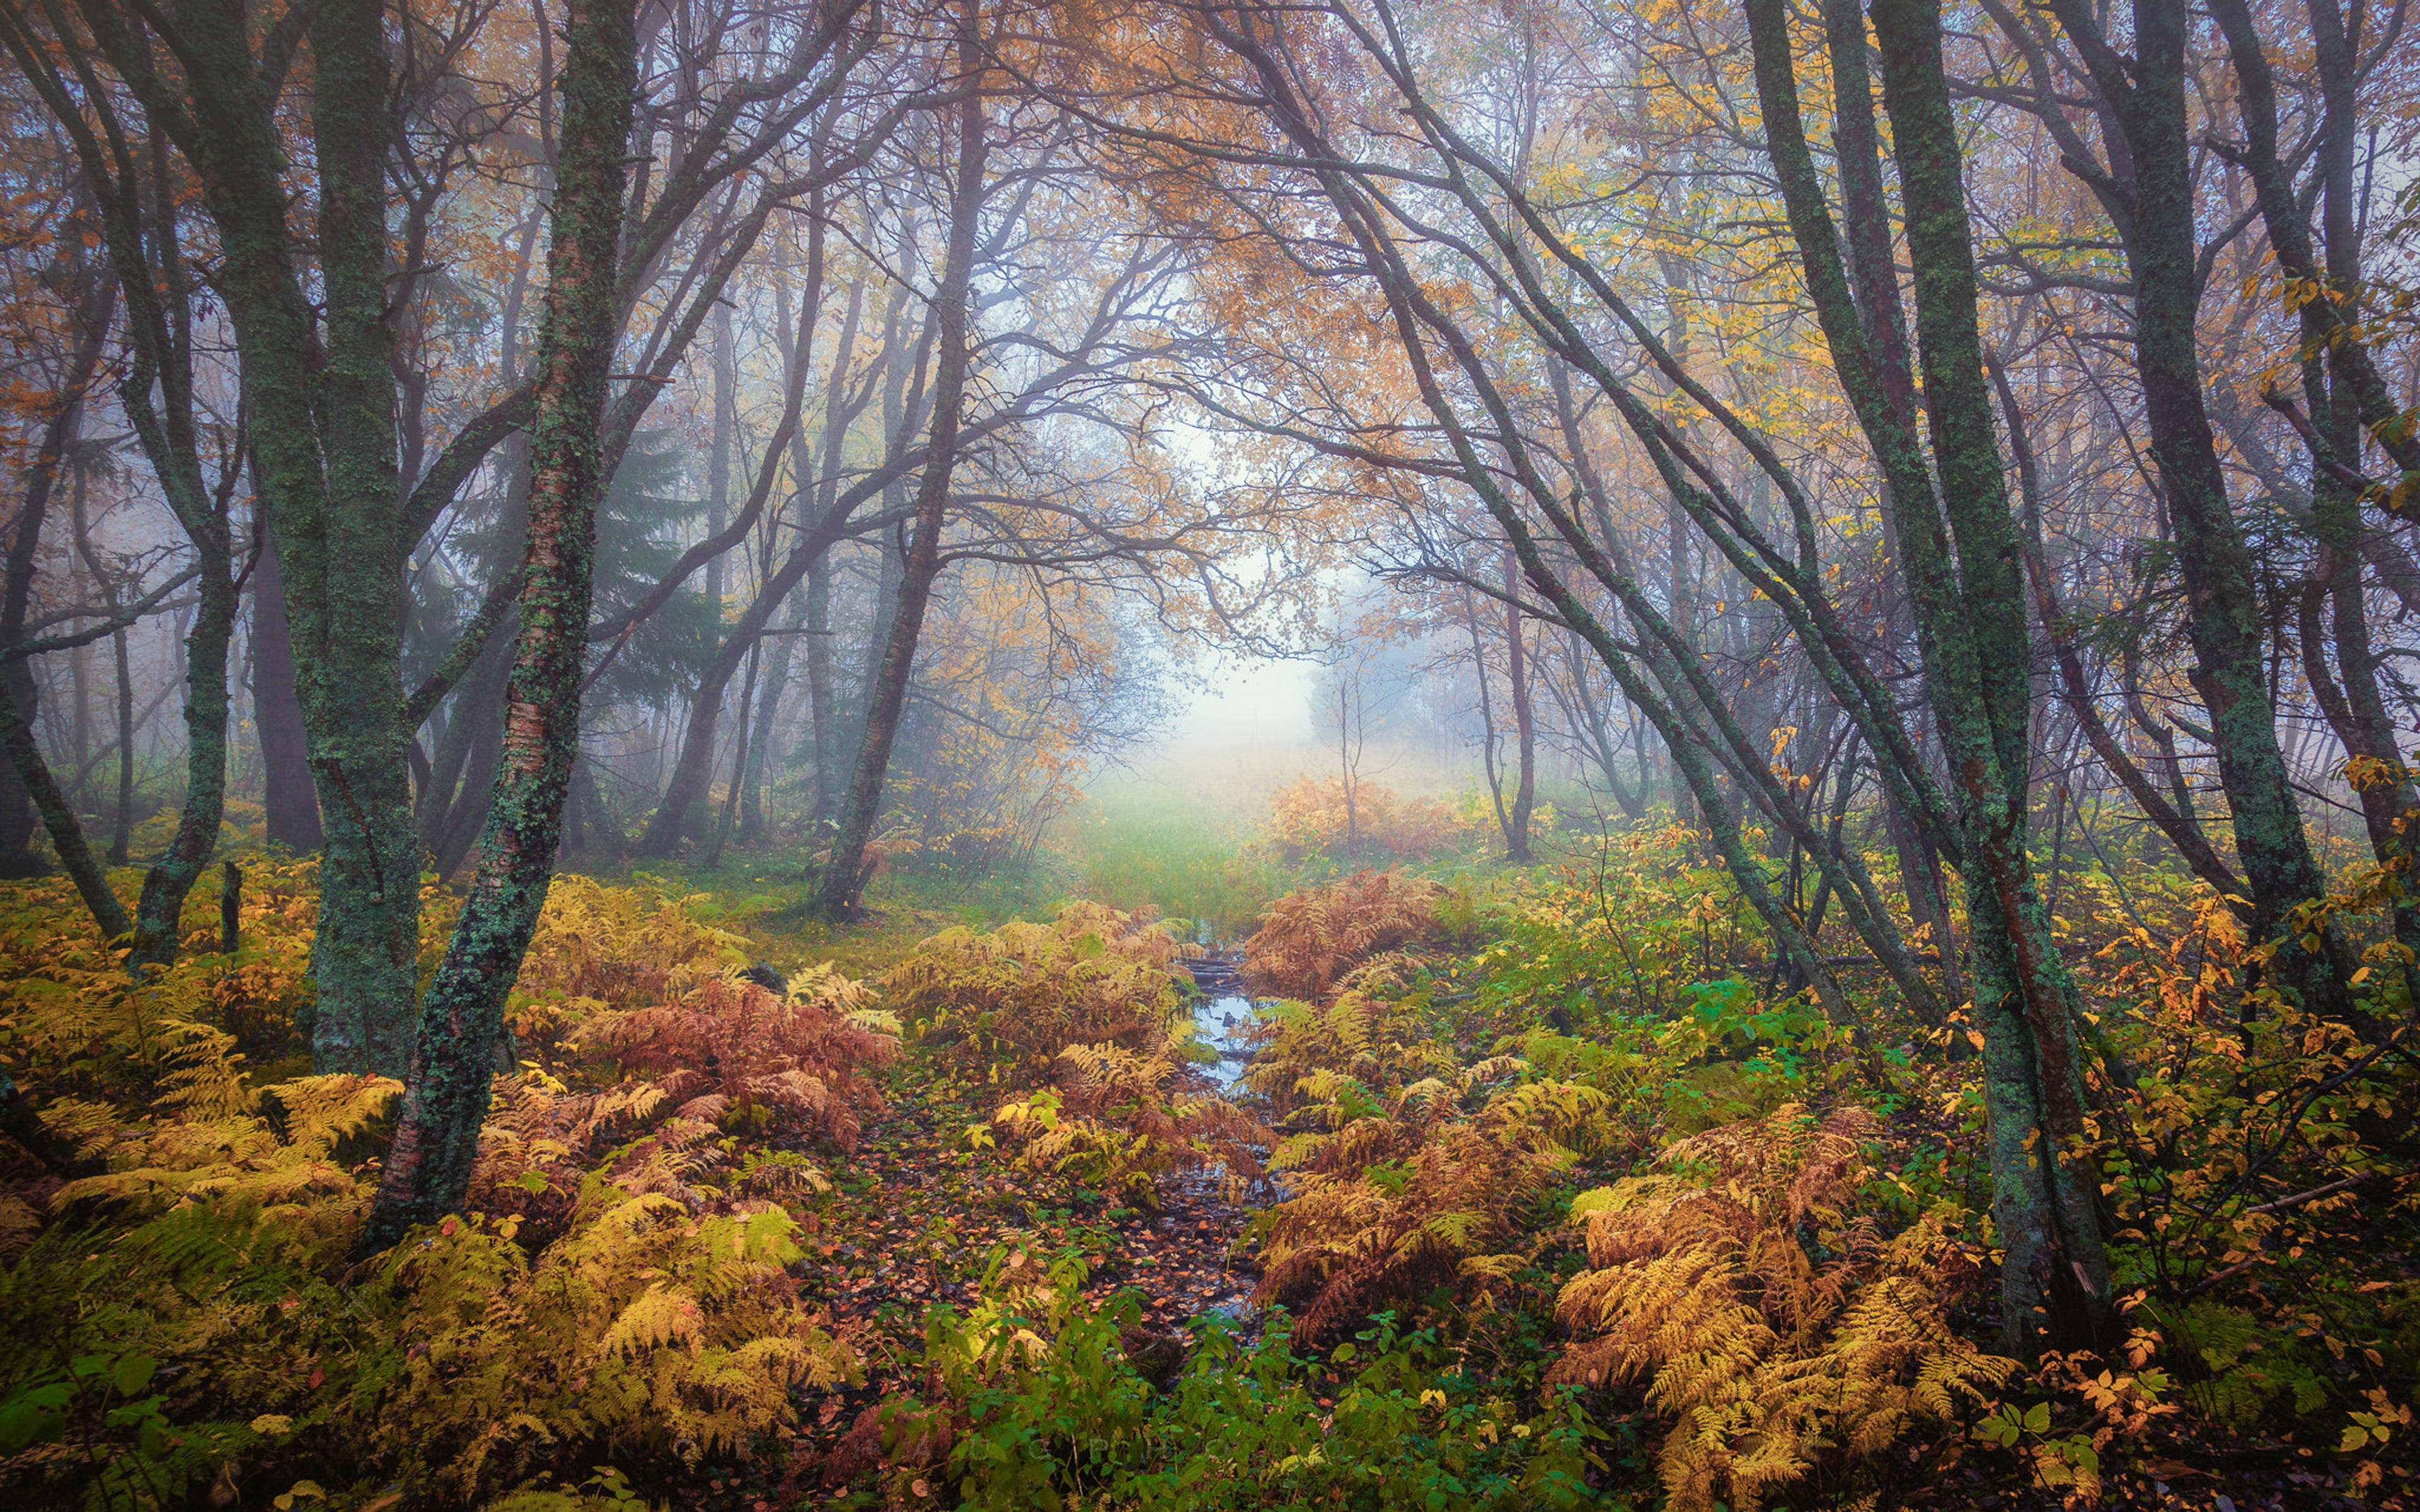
<point x="799" y="1058"/>
<point x="1309" y="939"/>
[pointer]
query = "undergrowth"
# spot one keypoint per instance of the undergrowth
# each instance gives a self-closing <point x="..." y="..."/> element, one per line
<point x="1562" y="1200"/>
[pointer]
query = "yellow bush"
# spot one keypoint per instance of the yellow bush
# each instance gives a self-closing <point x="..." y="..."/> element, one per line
<point x="1323" y="816"/>
<point x="1361" y="1035"/>
<point x="644" y="1327"/>
<point x="621" y="1286"/>
<point x="601" y="949"/>
<point x="1786" y="1336"/>
<point x="1004" y="1006"/>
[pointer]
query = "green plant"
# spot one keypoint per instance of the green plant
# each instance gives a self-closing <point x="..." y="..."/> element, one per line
<point x="1034" y="1400"/>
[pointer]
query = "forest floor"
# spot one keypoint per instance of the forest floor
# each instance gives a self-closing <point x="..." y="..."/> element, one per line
<point x="912" y="1223"/>
<point x="915" y="1215"/>
<point x="1033" y="1335"/>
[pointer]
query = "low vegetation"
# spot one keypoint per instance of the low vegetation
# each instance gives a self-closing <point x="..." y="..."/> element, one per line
<point x="1546" y="1193"/>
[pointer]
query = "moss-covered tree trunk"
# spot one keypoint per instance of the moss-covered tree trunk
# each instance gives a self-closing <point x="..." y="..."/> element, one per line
<point x="437" y="1140"/>
<point x="1962" y="563"/>
<point x="342" y="553"/>
<point x="319" y="399"/>
<point x="2342" y="388"/>
<point x="2224" y="620"/>
<point x="291" y="804"/>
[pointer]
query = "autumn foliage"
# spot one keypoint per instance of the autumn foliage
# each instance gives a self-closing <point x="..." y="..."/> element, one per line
<point x="1308" y="939"/>
<point x="1003" y="1006"/>
<point x="1788" y="1335"/>
<point x="1354" y="822"/>
<point x="621" y="1286"/>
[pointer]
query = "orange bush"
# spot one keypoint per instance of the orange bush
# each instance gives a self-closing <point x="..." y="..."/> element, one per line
<point x="1311" y="939"/>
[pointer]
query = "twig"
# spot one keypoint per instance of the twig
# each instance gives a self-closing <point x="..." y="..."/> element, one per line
<point x="2365" y="1179"/>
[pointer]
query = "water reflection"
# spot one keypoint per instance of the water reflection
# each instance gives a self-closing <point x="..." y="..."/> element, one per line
<point x="1224" y="1024"/>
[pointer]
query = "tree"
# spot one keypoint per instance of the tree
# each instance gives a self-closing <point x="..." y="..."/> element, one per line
<point x="1438" y="204"/>
<point x="437" y="1139"/>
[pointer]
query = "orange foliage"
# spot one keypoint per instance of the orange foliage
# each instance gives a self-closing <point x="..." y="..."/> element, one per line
<point x="1325" y="817"/>
<point x="1309" y="939"/>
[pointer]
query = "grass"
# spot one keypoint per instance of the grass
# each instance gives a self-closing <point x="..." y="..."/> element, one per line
<point x="1184" y="847"/>
<point x="1130" y="848"/>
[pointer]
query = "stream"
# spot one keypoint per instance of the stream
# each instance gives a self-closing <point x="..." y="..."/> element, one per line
<point x="1222" y="1019"/>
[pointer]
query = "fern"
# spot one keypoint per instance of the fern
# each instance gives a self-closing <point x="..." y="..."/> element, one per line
<point x="1120" y="1119"/>
<point x="1778" y="1360"/>
<point x="1304" y="1052"/>
<point x="1004" y="1007"/>
<point x="1399" y="1195"/>
<point x="601" y="949"/>
<point x="797" y="1059"/>
<point x="1309" y="939"/>
<point x="623" y="1287"/>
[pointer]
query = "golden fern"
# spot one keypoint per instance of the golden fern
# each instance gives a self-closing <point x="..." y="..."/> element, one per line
<point x="1121" y="1118"/>
<point x="1777" y="1361"/>
<point x="648" y="1326"/>
<point x="1005" y="1005"/>
<point x="1397" y="1196"/>
<point x="217" y="1140"/>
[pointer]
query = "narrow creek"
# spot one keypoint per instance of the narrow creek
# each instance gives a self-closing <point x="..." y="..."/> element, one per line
<point x="1222" y="1018"/>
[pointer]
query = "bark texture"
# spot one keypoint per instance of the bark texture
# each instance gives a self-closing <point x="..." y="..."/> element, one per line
<point x="437" y="1140"/>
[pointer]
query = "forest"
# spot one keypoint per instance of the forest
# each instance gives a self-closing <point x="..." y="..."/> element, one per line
<point x="1194" y="754"/>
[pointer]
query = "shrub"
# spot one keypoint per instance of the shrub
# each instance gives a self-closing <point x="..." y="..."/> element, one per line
<point x="1364" y="1036"/>
<point x="1402" y="1194"/>
<point x="1309" y="939"/>
<point x="73" y="1026"/>
<point x="1033" y="1399"/>
<point x="599" y="950"/>
<point x="1119" y="1120"/>
<point x="1323" y="816"/>
<point x="622" y="1285"/>
<point x="1004" y="1007"/>
<point x="1788" y="1337"/>
<point x="734" y="1049"/>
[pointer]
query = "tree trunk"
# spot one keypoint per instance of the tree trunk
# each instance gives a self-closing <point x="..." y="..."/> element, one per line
<point x="2223" y="622"/>
<point x="159" y="912"/>
<point x="1970" y="616"/>
<point x="437" y="1140"/>
<point x="18" y="799"/>
<point x="121" y="834"/>
<point x="844" y="874"/>
<point x="292" y="804"/>
<point x="1525" y="724"/>
<point x="330" y="475"/>
<point x="823" y="721"/>
<point x="66" y="836"/>
<point x="2046" y="1198"/>
<point x="739" y="746"/>
<point x="754" y="816"/>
